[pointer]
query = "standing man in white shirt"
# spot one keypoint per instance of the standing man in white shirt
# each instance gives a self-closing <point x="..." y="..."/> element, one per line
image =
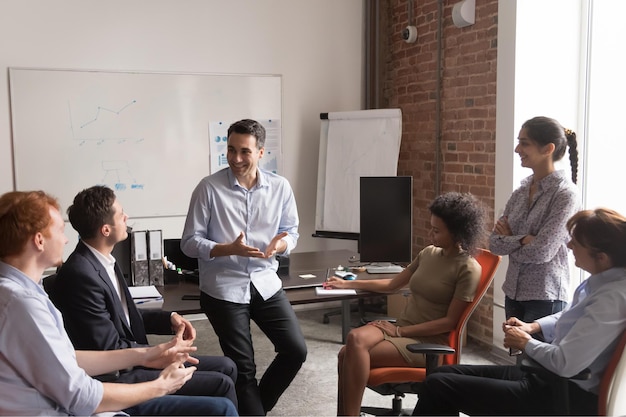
<point x="238" y="220"/>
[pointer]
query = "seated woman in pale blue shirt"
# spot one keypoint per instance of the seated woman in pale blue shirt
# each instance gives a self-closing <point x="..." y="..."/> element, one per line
<point x="583" y="336"/>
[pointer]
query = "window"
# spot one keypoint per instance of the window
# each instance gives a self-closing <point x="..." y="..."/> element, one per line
<point x="563" y="59"/>
<point x="605" y="145"/>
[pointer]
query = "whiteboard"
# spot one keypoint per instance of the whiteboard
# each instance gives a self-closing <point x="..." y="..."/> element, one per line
<point x="143" y="134"/>
<point x="353" y="144"/>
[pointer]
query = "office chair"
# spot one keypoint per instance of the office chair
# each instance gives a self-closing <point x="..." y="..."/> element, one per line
<point x="398" y="381"/>
<point x="612" y="393"/>
<point x="48" y="282"/>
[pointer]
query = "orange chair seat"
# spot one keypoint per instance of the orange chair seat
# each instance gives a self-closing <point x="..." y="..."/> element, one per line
<point x="379" y="376"/>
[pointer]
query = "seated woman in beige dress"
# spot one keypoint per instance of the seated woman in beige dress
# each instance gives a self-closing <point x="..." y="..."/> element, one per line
<point x="442" y="279"/>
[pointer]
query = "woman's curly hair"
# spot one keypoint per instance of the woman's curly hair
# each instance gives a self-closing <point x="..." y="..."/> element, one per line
<point x="464" y="217"/>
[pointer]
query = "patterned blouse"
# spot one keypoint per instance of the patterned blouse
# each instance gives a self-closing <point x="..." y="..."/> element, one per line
<point x="540" y="269"/>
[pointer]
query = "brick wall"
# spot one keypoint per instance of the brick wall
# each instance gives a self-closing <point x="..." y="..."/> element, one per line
<point x="467" y="113"/>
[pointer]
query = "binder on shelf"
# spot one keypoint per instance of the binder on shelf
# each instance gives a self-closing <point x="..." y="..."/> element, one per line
<point x="155" y="263"/>
<point x="139" y="258"/>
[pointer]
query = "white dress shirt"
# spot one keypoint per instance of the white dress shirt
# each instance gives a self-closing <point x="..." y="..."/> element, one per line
<point x="540" y="269"/>
<point x="108" y="263"/>
<point x="586" y="334"/>
<point x="220" y="208"/>
<point x="38" y="367"/>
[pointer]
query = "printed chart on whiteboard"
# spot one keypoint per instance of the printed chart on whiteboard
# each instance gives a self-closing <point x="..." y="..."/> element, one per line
<point x="271" y="160"/>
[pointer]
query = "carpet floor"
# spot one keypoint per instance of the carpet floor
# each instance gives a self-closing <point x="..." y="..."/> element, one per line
<point x="314" y="390"/>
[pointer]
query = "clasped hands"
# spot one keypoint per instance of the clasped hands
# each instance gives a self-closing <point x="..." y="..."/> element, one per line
<point x="171" y="357"/>
<point x="516" y="333"/>
<point x="183" y="327"/>
<point x="276" y="245"/>
<point x="176" y="350"/>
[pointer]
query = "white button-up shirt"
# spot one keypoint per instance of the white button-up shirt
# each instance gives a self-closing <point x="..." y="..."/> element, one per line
<point x="540" y="269"/>
<point x="40" y="375"/>
<point x="219" y="210"/>
<point x="586" y="334"/>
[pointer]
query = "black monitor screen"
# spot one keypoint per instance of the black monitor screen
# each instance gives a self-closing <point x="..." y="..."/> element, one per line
<point x="171" y="249"/>
<point x="121" y="253"/>
<point x="386" y="209"/>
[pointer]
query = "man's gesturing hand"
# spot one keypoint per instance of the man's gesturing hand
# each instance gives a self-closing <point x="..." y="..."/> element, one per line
<point x="241" y="249"/>
<point x="277" y="245"/>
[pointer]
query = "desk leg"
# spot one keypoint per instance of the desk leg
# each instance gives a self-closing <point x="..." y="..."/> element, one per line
<point x="345" y="320"/>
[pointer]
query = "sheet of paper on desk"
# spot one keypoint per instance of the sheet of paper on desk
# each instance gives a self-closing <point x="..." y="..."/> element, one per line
<point x="323" y="291"/>
<point x="307" y="276"/>
<point x="144" y="291"/>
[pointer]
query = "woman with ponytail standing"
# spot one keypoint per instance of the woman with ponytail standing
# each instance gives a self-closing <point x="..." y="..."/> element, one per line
<point x="532" y="228"/>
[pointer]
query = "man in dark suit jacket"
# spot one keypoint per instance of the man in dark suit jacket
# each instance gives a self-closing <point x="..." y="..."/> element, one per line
<point x="98" y="310"/>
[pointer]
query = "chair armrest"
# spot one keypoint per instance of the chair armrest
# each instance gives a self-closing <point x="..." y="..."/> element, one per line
<point x="531" y="366"/>
<point x="432" y="352"/>
<point x="430" y="349"/>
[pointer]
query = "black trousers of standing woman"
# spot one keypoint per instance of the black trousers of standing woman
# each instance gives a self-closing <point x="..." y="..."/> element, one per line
<point x="276" y="318"/>
<point x="529" y="311"/>
<point x="494" y="390"/>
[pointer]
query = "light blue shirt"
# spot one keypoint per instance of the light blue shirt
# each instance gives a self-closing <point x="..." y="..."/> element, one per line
<point x="39" y="374"/>
<point x="586" y="334"/>
<point x="540" y="269"/>
<point x="219" y="210"/>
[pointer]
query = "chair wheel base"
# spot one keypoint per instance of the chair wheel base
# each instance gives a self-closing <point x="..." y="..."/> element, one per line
<point x="396" y="409"/>
<point x="378" y="411"/>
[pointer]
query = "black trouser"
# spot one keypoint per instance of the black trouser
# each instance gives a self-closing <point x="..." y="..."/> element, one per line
<point x="276" y="318"/>
<point x="494" y="390"/>
<point x="529" y="311"/>
<point x="215" y="376"/>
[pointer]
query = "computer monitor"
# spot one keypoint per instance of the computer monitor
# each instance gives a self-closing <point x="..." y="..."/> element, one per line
<point x="171" y="249"/>
<point x="386" y="227"/>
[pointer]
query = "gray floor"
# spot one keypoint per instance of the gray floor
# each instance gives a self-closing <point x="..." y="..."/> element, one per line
<point x="313" y="391"/>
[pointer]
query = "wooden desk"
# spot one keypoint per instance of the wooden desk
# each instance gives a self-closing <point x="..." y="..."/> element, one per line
<point x="298" y="290"/>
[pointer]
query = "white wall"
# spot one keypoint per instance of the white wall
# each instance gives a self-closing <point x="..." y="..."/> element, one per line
<point x="505" y="133"/>
<point x="316" y="45"/>
<point x="539" y="55"/>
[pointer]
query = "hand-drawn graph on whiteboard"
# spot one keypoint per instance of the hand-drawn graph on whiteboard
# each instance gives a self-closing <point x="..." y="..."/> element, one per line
<point x="143" y="134"/>
<point x="106" y="124"/>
